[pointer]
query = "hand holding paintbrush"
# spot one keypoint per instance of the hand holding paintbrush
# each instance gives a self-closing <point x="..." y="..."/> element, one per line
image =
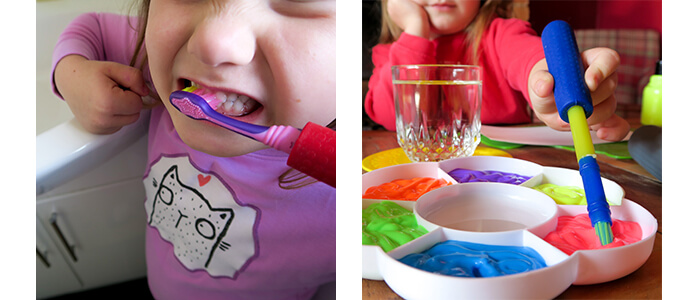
<point x="573" y="100"/>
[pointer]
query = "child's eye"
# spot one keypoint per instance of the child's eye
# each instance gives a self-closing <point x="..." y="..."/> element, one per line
<point x="304" y="8"/>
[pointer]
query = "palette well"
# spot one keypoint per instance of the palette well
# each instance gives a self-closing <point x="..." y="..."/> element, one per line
<point x="568" y="177"/>
<point x="501" y="214"/>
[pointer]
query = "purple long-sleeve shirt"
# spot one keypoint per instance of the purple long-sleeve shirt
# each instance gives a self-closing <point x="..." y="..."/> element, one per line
<point x="218" y="228"/>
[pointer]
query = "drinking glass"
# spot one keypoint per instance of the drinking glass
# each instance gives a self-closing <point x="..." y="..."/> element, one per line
<point x="438" y="110"/>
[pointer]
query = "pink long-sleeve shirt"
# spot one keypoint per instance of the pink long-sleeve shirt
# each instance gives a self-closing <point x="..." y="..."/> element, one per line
<point x="218" y="228"/>
<point x="509" y="49"/>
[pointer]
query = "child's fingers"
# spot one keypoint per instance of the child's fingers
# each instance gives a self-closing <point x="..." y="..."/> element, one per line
<point x="105" y="124"/>
<point x="603" y="111"/>
<point x="605" y="89"/>
<point x="410" y="16"/>
<point x="151" y="100"/>
<point x="600" y="63"/>
<point x="125" y="102"/>
<point x="112" y="109"/>
<point x="541" y="93"/>
<point x="128" y="77"/>
<point x="613" y="129"/>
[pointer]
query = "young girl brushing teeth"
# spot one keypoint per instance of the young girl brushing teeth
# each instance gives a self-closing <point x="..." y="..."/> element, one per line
<point x="227" y="219"/>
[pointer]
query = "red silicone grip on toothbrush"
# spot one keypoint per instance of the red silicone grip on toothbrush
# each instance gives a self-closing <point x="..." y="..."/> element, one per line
<point x="314" y="153"/>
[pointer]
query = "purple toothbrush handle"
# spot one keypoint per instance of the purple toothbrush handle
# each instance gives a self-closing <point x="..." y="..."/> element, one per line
<point x="192" y="105"/>
<point x="214" y="116"/>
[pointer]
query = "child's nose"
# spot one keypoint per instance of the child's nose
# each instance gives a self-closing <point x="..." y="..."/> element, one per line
<point x="218" y="41"/>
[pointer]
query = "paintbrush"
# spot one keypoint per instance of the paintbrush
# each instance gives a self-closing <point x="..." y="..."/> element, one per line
<point x="573" y="100"/>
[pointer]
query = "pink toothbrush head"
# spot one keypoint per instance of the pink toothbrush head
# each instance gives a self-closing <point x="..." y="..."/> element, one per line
<point x="312" y="150"/>
<point x="196" y="107"/>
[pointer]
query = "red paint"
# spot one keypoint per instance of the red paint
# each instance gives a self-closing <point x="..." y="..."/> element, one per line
<point x="576" y="233"/>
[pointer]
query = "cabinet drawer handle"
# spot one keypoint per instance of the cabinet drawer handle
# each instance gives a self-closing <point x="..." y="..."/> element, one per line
<point x="54" y="224"/>
<point x="42" y="257"/>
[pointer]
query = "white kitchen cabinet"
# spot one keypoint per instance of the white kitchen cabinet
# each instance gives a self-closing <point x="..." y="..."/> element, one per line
<point x="52" y="271"/>
<point x="90" y="183"/>
<point x="91" y="229"/>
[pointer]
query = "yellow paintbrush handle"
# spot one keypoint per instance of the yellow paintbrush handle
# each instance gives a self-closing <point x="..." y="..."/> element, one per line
<point x="583" y="145"/>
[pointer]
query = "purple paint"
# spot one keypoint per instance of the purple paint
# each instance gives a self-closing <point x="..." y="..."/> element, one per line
<point x="466" y="175"/>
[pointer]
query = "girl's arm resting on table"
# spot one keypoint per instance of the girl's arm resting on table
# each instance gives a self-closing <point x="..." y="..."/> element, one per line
<point x="601" y="78"/>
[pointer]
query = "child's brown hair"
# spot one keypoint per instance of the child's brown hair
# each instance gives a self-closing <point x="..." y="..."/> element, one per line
<point x="141" y="8"/>
<point x="488" y="10"/>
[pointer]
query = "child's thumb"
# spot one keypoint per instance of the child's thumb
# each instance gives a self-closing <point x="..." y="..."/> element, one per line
<point x="128" y="78"/>
<point x="542" y="84"/>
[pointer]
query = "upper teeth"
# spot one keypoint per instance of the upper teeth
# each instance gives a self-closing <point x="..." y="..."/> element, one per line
<point x="230" y="103"/>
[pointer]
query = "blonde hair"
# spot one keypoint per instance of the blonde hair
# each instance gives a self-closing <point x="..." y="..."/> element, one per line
<point x="488" y="10"/>
<point x="290" y="179"/>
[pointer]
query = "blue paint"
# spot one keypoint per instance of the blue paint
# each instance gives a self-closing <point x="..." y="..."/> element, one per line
<point x="465" y="259"/>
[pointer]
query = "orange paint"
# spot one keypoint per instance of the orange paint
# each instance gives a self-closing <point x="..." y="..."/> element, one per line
<point x="404" y="189"/>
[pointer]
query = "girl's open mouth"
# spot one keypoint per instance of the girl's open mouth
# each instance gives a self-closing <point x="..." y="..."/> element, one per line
<point x="227" y="103"/>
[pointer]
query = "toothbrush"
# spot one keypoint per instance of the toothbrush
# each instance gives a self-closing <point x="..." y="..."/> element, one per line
<point x="311" y="149"/>
<point x="573" y="100"/>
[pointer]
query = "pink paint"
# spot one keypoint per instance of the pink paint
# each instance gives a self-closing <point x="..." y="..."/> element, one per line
<point x="576" y="233"/>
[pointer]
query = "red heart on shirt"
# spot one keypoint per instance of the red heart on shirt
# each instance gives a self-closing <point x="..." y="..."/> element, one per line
<point x="203" y="179"/>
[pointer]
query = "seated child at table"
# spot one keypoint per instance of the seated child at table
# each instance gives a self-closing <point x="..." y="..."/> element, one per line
<point x="508" y="50"/>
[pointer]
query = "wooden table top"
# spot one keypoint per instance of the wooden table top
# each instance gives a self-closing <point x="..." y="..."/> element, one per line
<point x="639" y="185"/>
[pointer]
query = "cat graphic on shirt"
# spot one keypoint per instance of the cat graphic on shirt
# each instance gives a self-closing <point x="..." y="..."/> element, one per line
<point x="184" y="217"/>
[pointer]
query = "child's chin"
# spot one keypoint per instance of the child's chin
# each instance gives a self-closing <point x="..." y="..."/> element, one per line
<point x="240" y="149"/>
<point x="235" y="145"/>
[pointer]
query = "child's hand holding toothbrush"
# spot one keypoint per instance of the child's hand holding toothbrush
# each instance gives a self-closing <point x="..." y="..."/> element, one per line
<point x="103" y="96"/>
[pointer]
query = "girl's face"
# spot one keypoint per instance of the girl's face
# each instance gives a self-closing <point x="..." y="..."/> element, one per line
<point x="449" y="16"/>
<point x="274" y="60"/>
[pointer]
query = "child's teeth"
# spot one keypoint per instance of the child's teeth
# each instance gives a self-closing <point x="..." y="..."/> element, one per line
<point x="221" y="96"/>
<point x="243" y="100"/>
<point x="228" y="105"/>
<point x="238" y="105"/>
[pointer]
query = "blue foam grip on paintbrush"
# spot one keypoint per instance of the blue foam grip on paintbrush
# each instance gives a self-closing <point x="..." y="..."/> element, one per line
<point x="564" y="63"/>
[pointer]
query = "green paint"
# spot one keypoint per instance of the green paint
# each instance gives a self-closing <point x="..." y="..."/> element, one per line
<point x="388" y="225"/>
<point x="565" y="195"/>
